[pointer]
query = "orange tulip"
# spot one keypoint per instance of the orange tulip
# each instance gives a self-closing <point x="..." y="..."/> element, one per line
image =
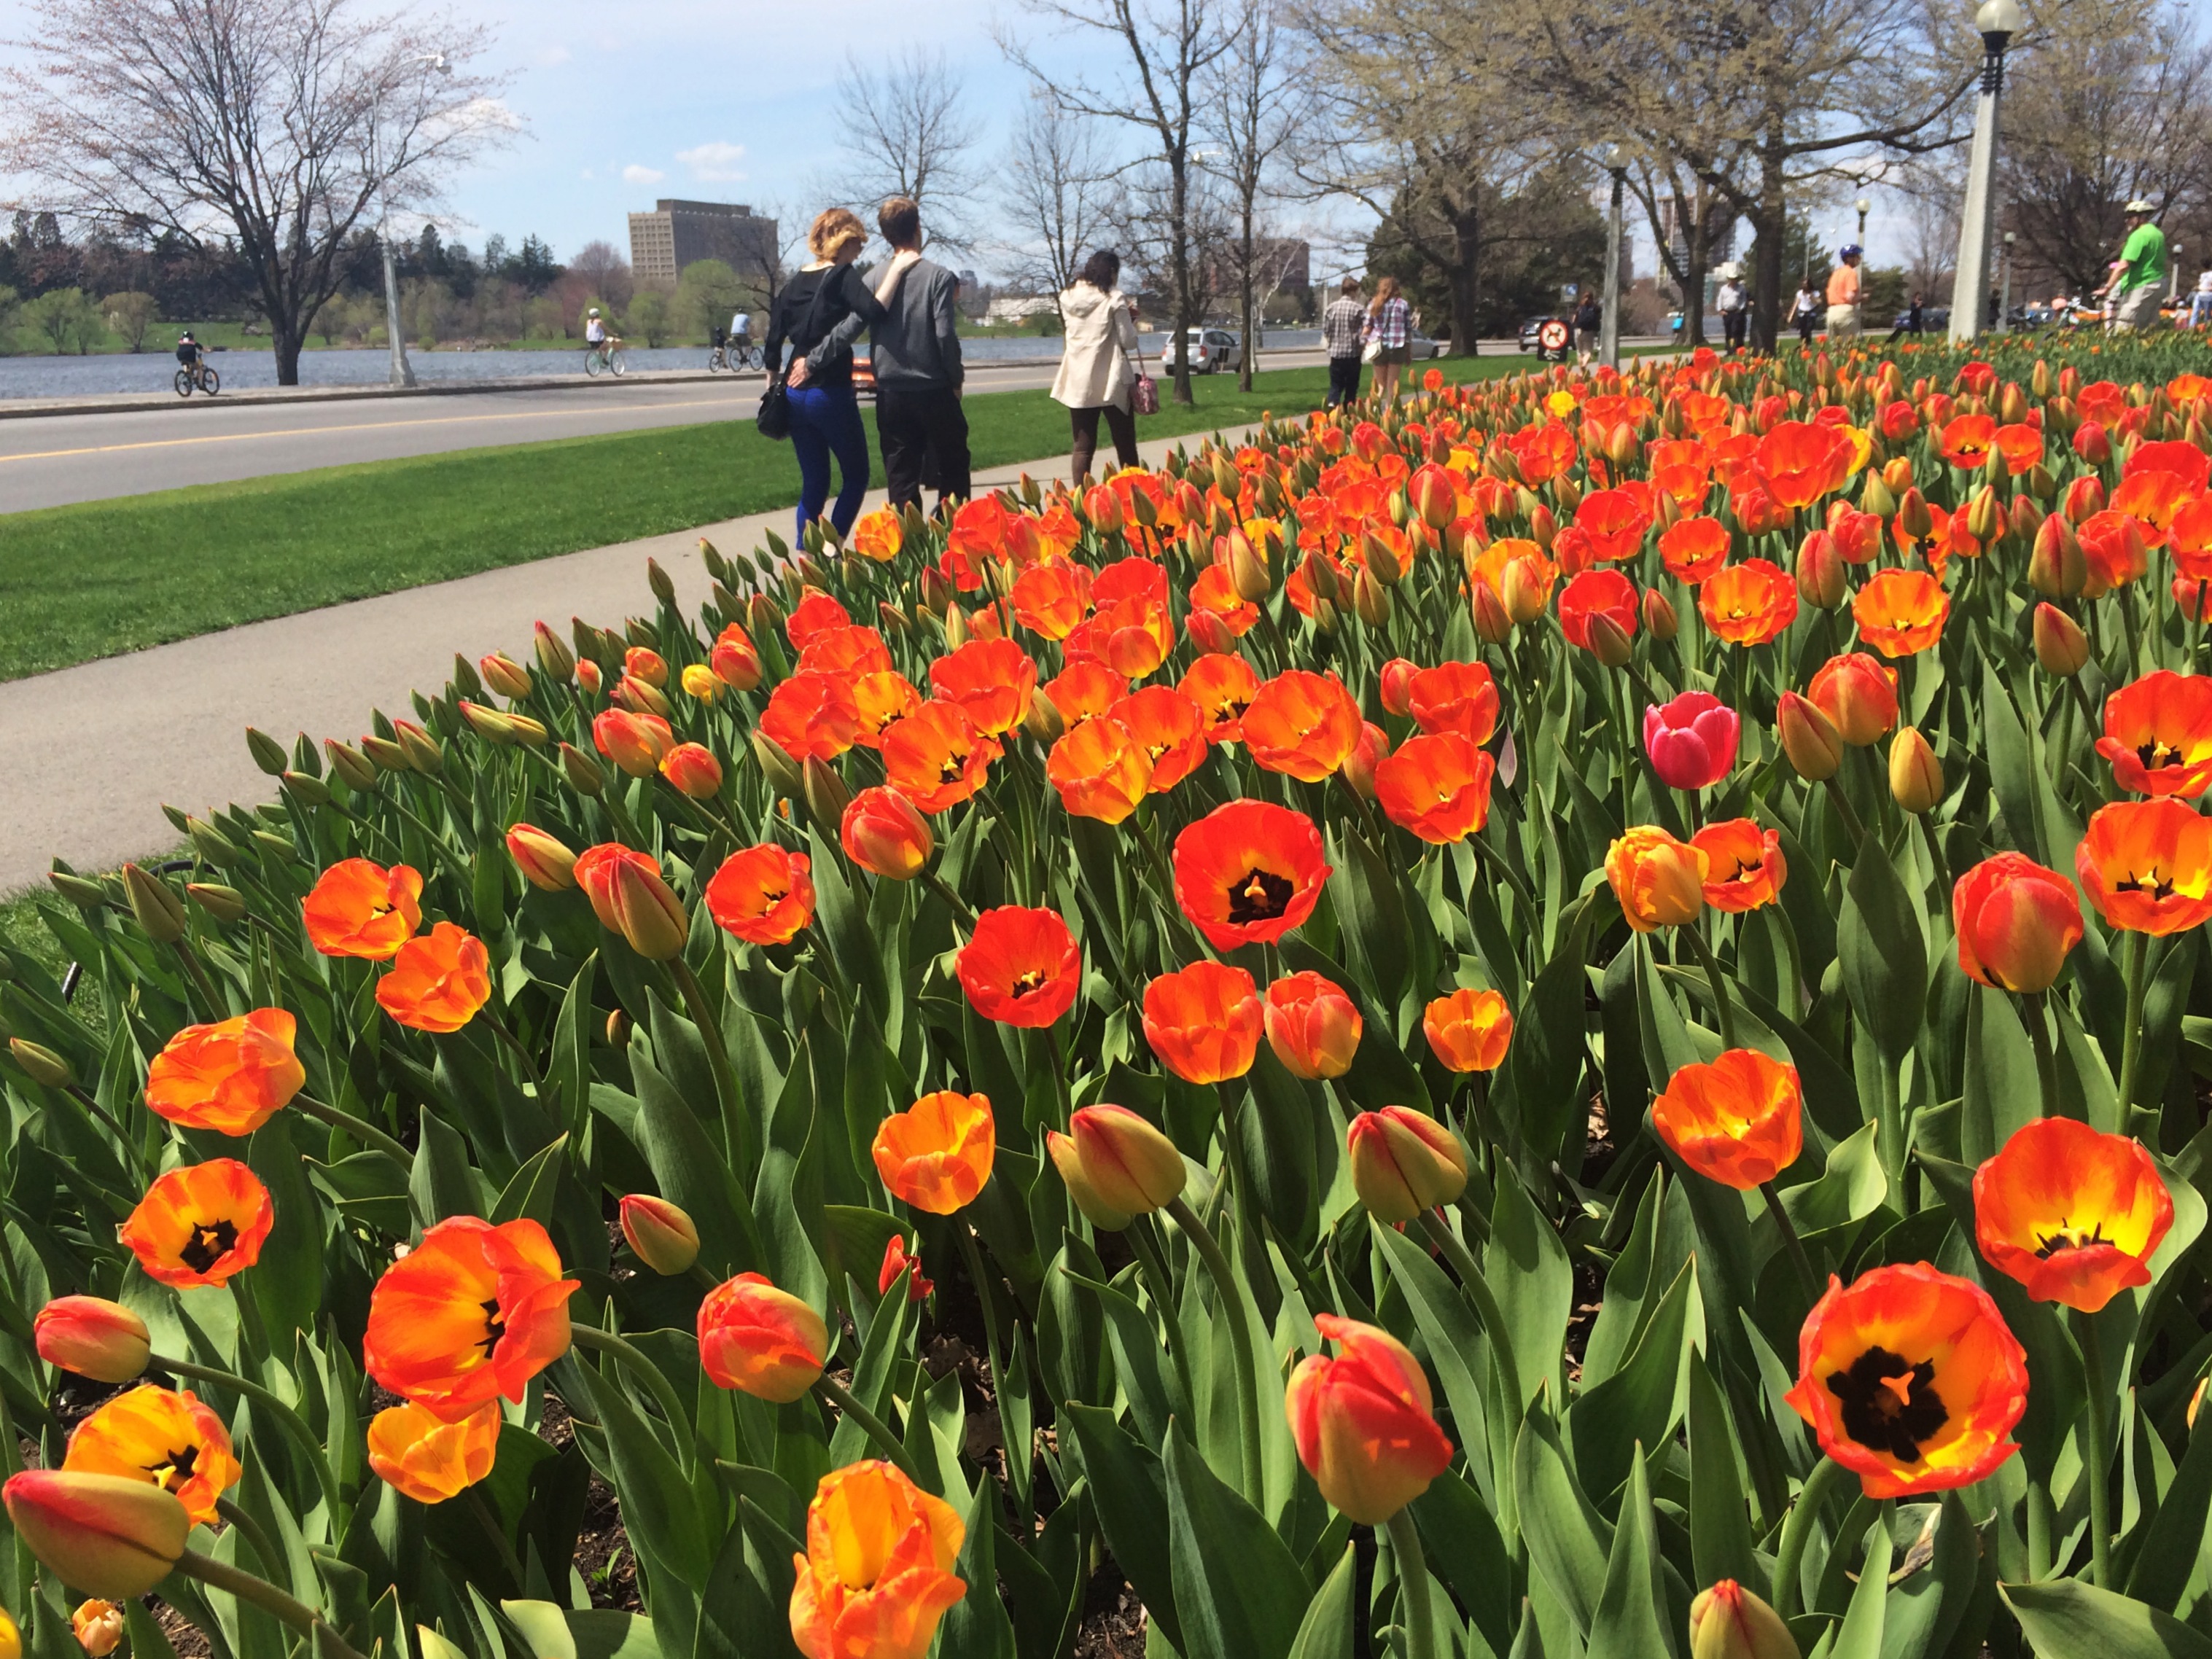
<point x="427" y="1459"/>
<point x="438" y="981"/>
<point x="1363" y="1424"/>
<point x="1809" y="739"/>
<point x="231" y="1077"/>
<point x="763" y="895"/>
<point x="1910" y="1380"/>
<point x="163" y="1436"/>
<point x="200" y="1222"/>
<point x="1748" y="603"/>
<point x="1595" y="597"/>
<point x="1051" y="599"/>
<point x="896" y="1261"/>
<point x="989" y="681"/>
<point x="876" y="1576"/>
<point x="1216" y="605"/>
<point x="546" y="862"/>
<point x="636" y="743"/>
<point x="1966" y="441"/>
<point x="1168" y="726"/>
<point x="1744" y="866"/>
<point x="1900" y="612"/>
<point x="761" y="1340"/>
<point x="936" y="758"/>
<point x="1084" y="688"/>
<point x="878" y="535"/>
<point x="98" y="1625"/>
<point x="1457" y="696"/>
<point x="1100" y="771"/>
<point x="2158" y="734"/>
<point x="93" y="1337"/>
<point x="1799" y="462"/>
<point x="1223" y="688"/>
<point x="1858" y="696"/>
<point x="937" y="1154"/>
<point x="880" y="700"/>
<point x="1116" y="1165"/>
<point x="1469" y="1031"/>
<point x="692" y="767"/>
<point x="1020" y="967"/>
<point x="630" y="898"/>
<point x="1248" y="872"/>
<point x="1302" y="723"/>
<point x="1403" y="1163"/>
<point x="733" y="658"/>
<point x="2147" y="865"/>
<point x="472" y="1313"/>
<point x="1738" y="1120"/>
<point x="2072" y="1215"/>
<point x="811" y="716"/>
<point x="815" y="614"/>
<point x="2015" y="922"/>
<point x="1694" y="550"/>
<point x="1204" y="1021"/>
<point x="850" y="652"/>
<point x="882" y="833"/>
<point x="1312" y="1026"/>
<point x="1660" y="881"/>
<point x="660" y="1234"/>
<point x="363" y="909"/>
<point x="1729" y="1622"/>
<point x="112" y="1534"/>
<point x="1438" y="785"/>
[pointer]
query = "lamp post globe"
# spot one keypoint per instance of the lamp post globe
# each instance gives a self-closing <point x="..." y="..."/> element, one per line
<point x="1997" y="22"/>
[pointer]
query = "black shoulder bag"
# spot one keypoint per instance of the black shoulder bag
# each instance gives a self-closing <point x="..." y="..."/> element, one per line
<point x="774" y="419"/>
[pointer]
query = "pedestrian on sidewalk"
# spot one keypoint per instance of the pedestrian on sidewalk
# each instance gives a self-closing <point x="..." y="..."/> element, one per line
<point x="1913" y="321"/>
<point x="1735" y="307"/>
<point x="2138" y="280"/>
<point x="820" y="313"/>
<point x="1805" y="312"/>
<point x="1390" y="332"/>
<point x="920" y="421"/>
<point x="1097" y="362"/>
<point x="1590" y="321"/>
<point x="1340" y="327"/>
<point x="1844" y="295"/>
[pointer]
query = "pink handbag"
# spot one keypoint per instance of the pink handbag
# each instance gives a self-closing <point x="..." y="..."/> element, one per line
<point x="1145" y="396"/>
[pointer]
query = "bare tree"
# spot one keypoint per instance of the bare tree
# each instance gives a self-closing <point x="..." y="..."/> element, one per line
<point x="908" y="135"/>
<point x="606" y="275"/>
<point x="270" y="128"/>
<point x="1170" y="45"/>
<point x="1257" y="107"/>
<point x="1057" y="191"/>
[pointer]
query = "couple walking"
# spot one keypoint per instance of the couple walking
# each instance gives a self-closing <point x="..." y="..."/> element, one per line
<point x="912" y="321"/>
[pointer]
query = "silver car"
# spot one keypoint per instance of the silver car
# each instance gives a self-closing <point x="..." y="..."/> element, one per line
<point x="1210" y="350"/>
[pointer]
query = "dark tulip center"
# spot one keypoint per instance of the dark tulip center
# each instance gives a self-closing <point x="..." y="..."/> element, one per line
<point x="1889" y="1403"/>
<point x="175" y="1468"/>
<point x="209" y="1243"/>
<point x="2063" y="1237"/>
<point x="1031" y="982"/>
<point x="1259" y="895"/>
<point x="495" y="1327"/>
<point x="948" y="771"/>
<point x="2157" y="883"/>
<point x="2157" y="753"/>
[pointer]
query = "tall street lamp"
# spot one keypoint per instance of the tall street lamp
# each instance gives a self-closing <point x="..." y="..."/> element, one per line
<point x="1862" y="205"/>
<point x="1997" y="21"/>
<point x="2004" y="285"/>
<point x="402" y="372"/>
<point x="1609" y="339"/>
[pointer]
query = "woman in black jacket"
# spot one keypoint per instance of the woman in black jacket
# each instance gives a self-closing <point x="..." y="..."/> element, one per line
<point x="821" y="310"/>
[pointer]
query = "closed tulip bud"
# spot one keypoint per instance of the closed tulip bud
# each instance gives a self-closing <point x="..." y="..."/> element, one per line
<point x="278" y="846"/>
<point x="386" y="753"/>
<point x="85" y="894"/>
<point x="1659" y="615"/>
<point x="630" y="898"/>
<point x="2026" y="518"/>
<point x="1821" y="571"/>
<point x="1069" y="1162"/>
<point x="1809" y="739"/>
<point x="1359" y="769"/>
<point x="1984" y="515"/>
<point x="1325" y="617"/>
<point x="1898" y="474"/>
<point x="2093" y="443"/>
<point x="824" y="790"/>
<point x="1209" y="633"/>
<point x="93" y="1337"/>
<point x="2042" y="483"/>
<point x="504" y="675"/>
<point x="1370" y="600"/>
<point x="1044" y="721"/>
<point x="1915" y="776"/>
<point x="661" y="1235"/>
<point x="1729" y="1622"/>
<point x="1622" y="447"/>
<point x="892" y="617"/>
<point x="2058" y="568"/>
<point x="1913" y="517"/>
<point x="1567" y="493"/>
<point x="2060" y="646"/>
<point x="1492" y="625"/>
<point x="1396" y="681"/>
<point x="692" y="767"/>
<point x="699" y="683"/>
<point x="1435" y="496"/>
<point x="545" y="863"/>
<point x="781" y="770"/>
<point x="882" y="831"/>
<point x="354" y="768"/>
<point x="489" y="724"/>
<point x="585" y="775"/>
<point x="555" y="659"/>
<point x="41" y="1064"/>
<point x="268" y="753"/>
<point x="465" y="682"/>
<point x="223" y="903"/>
<point x="1103" y="508"/>
<point x="1524" y="590"/>
<point x="114" y="1535"/>
<point x="1248" y="574"/>
<point x="1129" y="1166"/>
<point x="664" y="588"/>
<point x="423" y="754"/>
<point x="2085" y="499"/>
<point x="1876" y="496"/>
<point x="1322" y="577"/>
<point x="1543" y="528"/>
<point x="156" y="907"/>
<point x="99" y="1627"/>
<point x="1609" y="642"/>
<point x="1403" y="1163"/>
<point x="1312" y="1026"/>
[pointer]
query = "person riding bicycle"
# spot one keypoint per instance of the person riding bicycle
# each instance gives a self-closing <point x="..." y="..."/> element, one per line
<point x="188" y="350"/>
<point x="596" y="337"/>
<point x="741" y="329"/>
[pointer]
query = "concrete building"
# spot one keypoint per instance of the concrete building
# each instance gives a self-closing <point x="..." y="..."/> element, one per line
<point x="678" y="234"/>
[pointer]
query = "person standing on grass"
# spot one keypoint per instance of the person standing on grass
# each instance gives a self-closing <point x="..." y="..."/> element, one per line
<point x="820" y="312"/>
<point x="1805" y="312"/>
<point x="1340" y="327"/>
<point x="1844" y="295"/>
<point x="1735" y="307"/>
<point x="2138" y="282"/>
<point x="920" y="422"/>
<point x="1097" y="362"/>
<point x="1390" y="331"/>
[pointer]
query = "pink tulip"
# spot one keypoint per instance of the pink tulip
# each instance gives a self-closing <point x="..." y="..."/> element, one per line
<point x="1692" y="740"/>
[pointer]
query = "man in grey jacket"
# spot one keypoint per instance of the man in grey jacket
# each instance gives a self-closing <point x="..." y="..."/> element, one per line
<point x="916" y="351"/>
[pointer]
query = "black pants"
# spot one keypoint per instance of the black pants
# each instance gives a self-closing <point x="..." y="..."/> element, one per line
<point x="1343" y="380"/>
<point x="923" y="431"/>
<point x="1734" y="324"/>
<point x="1120" y="425"/>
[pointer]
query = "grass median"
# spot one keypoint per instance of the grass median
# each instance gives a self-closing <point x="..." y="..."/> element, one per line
<point x="108" y="577"/>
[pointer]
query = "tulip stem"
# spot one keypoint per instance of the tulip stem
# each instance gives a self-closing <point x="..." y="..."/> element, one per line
<point x="262" y="1547"/>
<point x="508" y="1558"/>
<point x="216" y="1007"/>
<point x="1413" y="1586"/>
<point x="973" y="1258"/>
<point x="2098" y="1461"/>
<point x="271" y="1600"/>
<point x="1477" y="1291"/>
<point x="953" y="901"/>
<point x="1806" y="1276"/>
<point x="76" y="1092"/>
<point x="2132" y="1032"/>
<point x="1691" y="931"/>
<point x="359" y="1128"/>
<point x="878" y="1430"/>
<point x="286" y="1420"/>
<point x="499" y="1030"/>
<point x="1240" y="1351"/>
<point x="655" y="1380"/>
<point x="1797" y="1531"/>
<point x="1844" y="810"/>
<point x="1155" y="1270"/>
<point x="2046" y="1062"/>
<point x="718" y="1058"/>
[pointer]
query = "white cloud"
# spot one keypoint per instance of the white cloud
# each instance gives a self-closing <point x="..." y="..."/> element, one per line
<point x="635" y="174"/>
<point x="553" y="56"/>
<point x="718" y="163"/>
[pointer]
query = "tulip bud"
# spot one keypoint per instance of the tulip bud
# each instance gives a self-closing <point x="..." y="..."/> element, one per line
<point x="661" y="1235"/>
<point x="1492" y="623"/>
<point x="1809" y="739"/>
<point x="545" y="863"/>
<point x="1915" y="776"/>
<point x="268" y="753"/>
<point x="93" y="1337"/>
<point x="1312" y="1026"/>
<point x="223" y="903"/>
<point x="2060" y="646"/>
<point x="504" y="675"/>
<point x="1358" y="768"/>
<point x="157" y="908"/>
<point x="1876" y="496"/>
<point x="1609" y="642"/>
<point x="1821" y="571"/>
<point x="1069" y="1162"/>
<point x="1247" y="574"/>
<point x="114" y="1535"/>
<point x="2058" y="568"/>
<point x="1659" y="618"/>
<point x="555" y="661"/>
<point x="1729" y="1622"/>
<point x="882" y="832"/>
<point x="1913" y="516"/>
<point x="41" y="1064"/>
<point x="1370" y="600"/>
<point x="1403" y="1163"/>
<point x="585" y="775"/>
<point x="824" y="791"/>
<point x="1323" y="577"/>
<point x="99" y="1627"/>
<point x="1044" y="721"/>
<point x="1396" y="679"/>
<point x="386" y="753"/>
<point x="2093" y="443"/>
<point x="692" y="767"/>
<point x="1543" y="528"/>
<point x="1522" y="589"/>
<point x="1116" y="1165"/>
<point x="2027" y="519"/>
<point x="1897" y="475"/>
<point x="85" y="894"/>
<point x="489" y="724"/>
<point x="422" y="749"/>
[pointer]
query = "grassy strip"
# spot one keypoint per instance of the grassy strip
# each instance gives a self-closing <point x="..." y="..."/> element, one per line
<point x="107" y="577"/>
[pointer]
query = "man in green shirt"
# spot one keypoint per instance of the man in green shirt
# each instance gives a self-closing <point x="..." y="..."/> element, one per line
<point x="2141" y="282"/>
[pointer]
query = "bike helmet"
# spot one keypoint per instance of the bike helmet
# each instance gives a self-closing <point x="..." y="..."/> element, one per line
<point x="1849" y="251"/>
<point x="594" y="311"/>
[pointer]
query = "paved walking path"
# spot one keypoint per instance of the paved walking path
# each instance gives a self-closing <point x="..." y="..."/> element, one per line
<point x="90" y="754"/>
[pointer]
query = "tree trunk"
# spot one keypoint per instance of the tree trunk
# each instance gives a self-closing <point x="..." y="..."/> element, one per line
<point x="1694" y="273"/>
<point x="288" y="341"/>
<point x="1179" y="276"/>
<point x="1244" y="295"/>
<point x="1768" y="224"/>
<point x="1466" y="280"/>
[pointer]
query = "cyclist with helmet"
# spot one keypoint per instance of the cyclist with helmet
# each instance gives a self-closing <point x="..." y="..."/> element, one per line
<point x="596" y="337"/>
<point x="1843" y="295"/>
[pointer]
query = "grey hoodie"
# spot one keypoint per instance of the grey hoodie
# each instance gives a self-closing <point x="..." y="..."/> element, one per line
<point x="917" y="347"/>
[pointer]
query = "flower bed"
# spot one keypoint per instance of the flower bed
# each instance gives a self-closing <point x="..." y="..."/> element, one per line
<point x="1563" y="1021"/>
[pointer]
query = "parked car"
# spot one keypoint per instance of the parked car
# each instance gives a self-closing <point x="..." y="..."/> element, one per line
<point x="1529" y="332"/>
<point x="1211" y="350"/>
<point x="1934" y="320"/>
<point x="1423" y="347"/>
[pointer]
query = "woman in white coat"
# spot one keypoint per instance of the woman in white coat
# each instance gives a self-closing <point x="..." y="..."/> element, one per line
<point x="1098" y="363"/>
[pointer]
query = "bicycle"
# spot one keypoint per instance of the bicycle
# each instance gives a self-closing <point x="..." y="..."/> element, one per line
<point x="608" y="357"/>
<point x="200" y="376"/>
<point x="733" y="355"/>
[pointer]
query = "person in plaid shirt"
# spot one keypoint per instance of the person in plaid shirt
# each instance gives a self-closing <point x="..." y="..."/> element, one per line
<point x="1390" y="328"/>
<point x="1343" y="327"/>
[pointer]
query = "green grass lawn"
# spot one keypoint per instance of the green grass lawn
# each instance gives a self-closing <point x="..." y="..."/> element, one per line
<point x="107" y="577"/>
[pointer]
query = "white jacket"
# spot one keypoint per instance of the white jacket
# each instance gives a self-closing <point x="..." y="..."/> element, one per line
<point x="1097" y="365"/>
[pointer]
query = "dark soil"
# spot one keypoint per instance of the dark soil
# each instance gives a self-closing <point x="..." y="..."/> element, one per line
<point x="603" y="1557"/>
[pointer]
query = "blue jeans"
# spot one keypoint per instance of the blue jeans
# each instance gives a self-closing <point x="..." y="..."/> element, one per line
<point x="825" y="421"/>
